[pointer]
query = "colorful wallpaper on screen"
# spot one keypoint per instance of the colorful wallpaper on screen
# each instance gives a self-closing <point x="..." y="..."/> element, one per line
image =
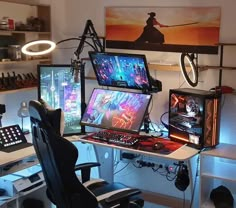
<point x="116" y="109"/>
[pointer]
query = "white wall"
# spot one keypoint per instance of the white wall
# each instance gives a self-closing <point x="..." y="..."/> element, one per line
<point x="72" y="24"/>
<point x="69" y="18"/>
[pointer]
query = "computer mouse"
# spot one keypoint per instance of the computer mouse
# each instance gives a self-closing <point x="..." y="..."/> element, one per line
<point x="157" y="146"/>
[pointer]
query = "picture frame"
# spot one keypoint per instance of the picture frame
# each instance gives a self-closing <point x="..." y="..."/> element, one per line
<point x="171" y="29"/>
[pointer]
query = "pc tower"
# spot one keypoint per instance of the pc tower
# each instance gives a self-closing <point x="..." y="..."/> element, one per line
<point x="194" y="117"/>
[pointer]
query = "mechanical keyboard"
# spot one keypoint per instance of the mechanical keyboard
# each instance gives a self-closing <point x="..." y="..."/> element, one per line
<point x="114" y="137"/>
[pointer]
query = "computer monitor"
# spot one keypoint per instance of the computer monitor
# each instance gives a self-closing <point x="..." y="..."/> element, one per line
<point x="59" y="90"/>
<point x="116" y="110"/>
<point x="121" y="70"/>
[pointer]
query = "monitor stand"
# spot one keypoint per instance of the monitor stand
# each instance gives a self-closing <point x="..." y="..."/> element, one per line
<point x="146" y="122"/>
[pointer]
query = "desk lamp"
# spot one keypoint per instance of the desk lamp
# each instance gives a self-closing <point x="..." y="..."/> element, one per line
<point x="23" y="112"/>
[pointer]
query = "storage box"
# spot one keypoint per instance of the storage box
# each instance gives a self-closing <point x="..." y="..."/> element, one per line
<point x="194" y="117"/>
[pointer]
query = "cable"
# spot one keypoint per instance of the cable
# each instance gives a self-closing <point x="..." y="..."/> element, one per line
<point x="161" y="119"/>
<point x="69" y="39"/>
<point x="121" y="169"/>
<point x="116" y="161"/>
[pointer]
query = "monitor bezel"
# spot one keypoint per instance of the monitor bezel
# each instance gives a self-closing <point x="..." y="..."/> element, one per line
<point x="142" y="56"/>
<point x="82" y="82"/>
<point x="113" y="128"/>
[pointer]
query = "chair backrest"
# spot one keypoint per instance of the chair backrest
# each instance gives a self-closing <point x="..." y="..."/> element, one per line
<point x="57" y="157"/>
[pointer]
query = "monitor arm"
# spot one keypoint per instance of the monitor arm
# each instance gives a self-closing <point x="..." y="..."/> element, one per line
<point x="97" y="45"/>
<point x="89" y="32"/>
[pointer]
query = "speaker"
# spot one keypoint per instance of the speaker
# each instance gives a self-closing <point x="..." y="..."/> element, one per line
<point x="182" y="179"/>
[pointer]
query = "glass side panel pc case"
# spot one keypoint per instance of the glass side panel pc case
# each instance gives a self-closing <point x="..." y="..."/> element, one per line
<point x="116" y="110"/>
<point x="194" y="117"/>
<point x="57" y="87"/>
<point x="121" y="70"/>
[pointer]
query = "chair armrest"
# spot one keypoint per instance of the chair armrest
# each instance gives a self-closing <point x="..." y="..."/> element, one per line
<point x="123" y="196"/>
<point x="85" y="169"/>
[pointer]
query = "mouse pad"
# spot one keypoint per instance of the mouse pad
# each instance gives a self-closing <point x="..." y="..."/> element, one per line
<point x="165" y="147"/>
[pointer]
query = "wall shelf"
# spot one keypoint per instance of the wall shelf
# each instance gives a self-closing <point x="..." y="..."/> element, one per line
<point x="28" y="2"/>
<point x="11" y="32"/>
<point x="17" y="90"/>
<point x="25" y="61"/>
<point x="203" y="68"/>
<point x="164" y="67"/>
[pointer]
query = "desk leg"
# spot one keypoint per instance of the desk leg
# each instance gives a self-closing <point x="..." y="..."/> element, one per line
<point x="105" y="157"/>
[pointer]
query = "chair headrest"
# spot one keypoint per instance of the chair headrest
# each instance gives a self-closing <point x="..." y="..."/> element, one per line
<point x="37" y="111"/>
<point x="42" y="113"/>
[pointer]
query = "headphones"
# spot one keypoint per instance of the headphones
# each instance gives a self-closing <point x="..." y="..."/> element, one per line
<point x="182" y="179"/>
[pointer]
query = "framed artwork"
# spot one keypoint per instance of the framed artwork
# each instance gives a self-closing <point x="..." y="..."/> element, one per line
<point x="172" y="29"/>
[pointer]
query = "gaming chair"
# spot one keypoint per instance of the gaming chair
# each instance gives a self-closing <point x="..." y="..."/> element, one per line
<point x="57" y="157"/>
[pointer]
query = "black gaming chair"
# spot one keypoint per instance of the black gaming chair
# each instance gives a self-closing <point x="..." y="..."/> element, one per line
<point x="57" y="157"/>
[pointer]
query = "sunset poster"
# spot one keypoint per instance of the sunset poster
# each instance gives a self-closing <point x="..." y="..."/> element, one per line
<point x="177" y="29"/>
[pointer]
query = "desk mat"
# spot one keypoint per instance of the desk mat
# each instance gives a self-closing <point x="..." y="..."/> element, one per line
<point x="168" y="146"/>
<point x="146" y="143"/>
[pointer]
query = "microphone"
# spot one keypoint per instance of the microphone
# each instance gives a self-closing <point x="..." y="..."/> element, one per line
<point x="77" y="66"/>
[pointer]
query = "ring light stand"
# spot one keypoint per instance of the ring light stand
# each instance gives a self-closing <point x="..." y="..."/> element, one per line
<point x="194" y="68"/>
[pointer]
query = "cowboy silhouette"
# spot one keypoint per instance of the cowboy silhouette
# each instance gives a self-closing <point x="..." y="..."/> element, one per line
<point x="151" y="34"/>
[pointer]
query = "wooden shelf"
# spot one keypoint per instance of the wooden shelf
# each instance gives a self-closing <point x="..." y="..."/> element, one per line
<point x="25" y="61"/>
<point x="17" y="90"/>
<point x="27" y="2"/>
<point x="203" y="68"/>
<point x="10" y="32"/>
<point x="164" y="67"/>
<point x="177" y="67"/>
<point x="226" y="44"/>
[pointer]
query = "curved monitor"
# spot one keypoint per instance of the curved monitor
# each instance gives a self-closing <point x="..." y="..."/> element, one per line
<point x="121" y="70"/>
<point x="116" y="110"/>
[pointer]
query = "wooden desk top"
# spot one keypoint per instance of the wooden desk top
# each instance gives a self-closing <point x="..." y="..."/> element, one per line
<point x="11" y="157"/>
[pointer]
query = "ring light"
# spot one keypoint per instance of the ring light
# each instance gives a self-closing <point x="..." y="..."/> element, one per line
<point x="25" y="48"/>
<point x="193" y="67"/>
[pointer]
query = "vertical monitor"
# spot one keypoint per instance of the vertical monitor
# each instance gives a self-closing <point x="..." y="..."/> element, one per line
<point x="121" y="70"/>
<point x="59" y="90"/>
<point x="116" y="110"/>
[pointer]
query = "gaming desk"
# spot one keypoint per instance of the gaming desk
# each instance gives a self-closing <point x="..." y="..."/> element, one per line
<point x="184" y="153"/>
<point x="104" y="153"/>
